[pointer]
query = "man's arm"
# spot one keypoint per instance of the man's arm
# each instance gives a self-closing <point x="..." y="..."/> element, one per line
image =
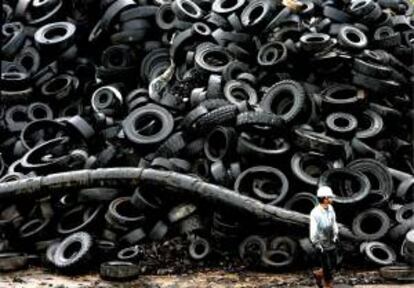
<point x="335" y="227"/>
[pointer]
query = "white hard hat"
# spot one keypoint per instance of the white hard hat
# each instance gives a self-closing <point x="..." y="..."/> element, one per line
<point x="324" y="191"/>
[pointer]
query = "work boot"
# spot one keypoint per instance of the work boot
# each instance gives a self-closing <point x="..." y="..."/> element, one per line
<point x="328" y="284"/>
<point x="318" y="275"/>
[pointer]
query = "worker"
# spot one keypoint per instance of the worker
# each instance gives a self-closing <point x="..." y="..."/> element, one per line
<point x="324" y="236"/>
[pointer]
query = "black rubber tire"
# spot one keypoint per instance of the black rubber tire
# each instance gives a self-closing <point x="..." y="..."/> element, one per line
<point x="225" y="116"/>
<point x="146" y="11"/>
<point x="380" y="178"/>
<point x="302" y="197"/>
<point x="236" y="92"/>
<point x="248" y="147"/>
<point x="193" y="248"/>
<point x="145" y="200"/>
<point x="318" y="162"/>
<point x="212" y="104"/>
<point x="326" y="179"/>
<point x="132" y="253"/>
<point x="344" y="98"/>
<point x="290" y="93"/>
<point x="119" y="271"/>
<point x="405" y="189"/>
<point x="219" y="142"/>
<point x="284" y="243"/>
<point x="314" y="141"/>
<point x="81" y="218"/>
<point x="252" y="179"/>
<point x="164" y="116"/>
<point x="251" y="250"/>
<point x="10" y="261"/>
<point x="78" y="260"/>
<point x="348" y="42"/>
<point x="159" y="231"/>
<point x="382" y="220"/>
<point x="405" y="214"/>
<point x="398" y="232"/>
<point x="391" y="256"/>
<point x="181" y="212"/>
<point x="261" y="123"/>
<point x="269" y="263"/>
<point x="122" y="212"/>
<point x="376" y="125"/>
<point x="397" y="273"/>
<point x="341" y="125"/>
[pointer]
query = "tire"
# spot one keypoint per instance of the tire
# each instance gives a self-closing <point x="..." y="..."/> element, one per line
<point x="219" y="142"/>
<point x="181" y="212"/>
<point x="385" y="249"/>
<point x="341" y="125"/>
<point x="251" y="250"/>
<point x="159" y="231"/>
<point x="328" y="179"/>
<point x="249" y="147"/>
<point x="212" y="104"/>
<point x="302" y="202"/>
<point x="132" y="253"/>
<point x="12" y="261"/>
<point x="284" y="93"/>
<point x="379" y="175"/>
<point x="397" y="273"/>
<point x="347" y="41"/>
<point x="261" y="123"/>
<point x="193" y="248"/>
<point x="78" y="260"/>
<point x="375" y="128"/>
<point x="145" y="200"/>
<point x="404" y="190"/>
<point x="50" y="253"/>
<point x="405" y="214"/>
<point x="259" y="179"/>
<point x="314" y="141"/>
<point x="133" y="237"/>
<point x="398" y="232"/>
<point x="382" y="224"/>
<point x="237" y="92"/>
<point x="225" y="116"/>
<point x="269" y="255"/>
<point x="317" y="162"/>
<point x="79" y="218"/>
<point x="345" y="98"/>
<point x="119" y="271"/>
<point x="158" y="113"/>
<point x="123" y="213"/>
<point x="284" y="243"/>
<point x="172" y="146"/>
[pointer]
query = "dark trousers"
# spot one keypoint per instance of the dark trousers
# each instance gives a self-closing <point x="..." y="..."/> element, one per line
<point x="327" y="260"/>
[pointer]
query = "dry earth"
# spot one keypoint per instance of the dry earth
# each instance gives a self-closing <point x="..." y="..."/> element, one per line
<point x="39" y="278"/>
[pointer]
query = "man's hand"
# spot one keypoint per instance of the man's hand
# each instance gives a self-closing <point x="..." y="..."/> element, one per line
<point x="319" y="247"/>
<point x="335" y="238"/>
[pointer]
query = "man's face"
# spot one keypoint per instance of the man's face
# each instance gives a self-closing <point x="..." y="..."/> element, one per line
<point x="328" y="200"/>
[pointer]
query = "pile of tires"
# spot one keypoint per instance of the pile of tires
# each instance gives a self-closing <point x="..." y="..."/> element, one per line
<point x="270" y="99"/>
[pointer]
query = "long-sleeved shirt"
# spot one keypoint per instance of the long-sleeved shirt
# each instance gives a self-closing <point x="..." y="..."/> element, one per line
<point x="323" y="226"/>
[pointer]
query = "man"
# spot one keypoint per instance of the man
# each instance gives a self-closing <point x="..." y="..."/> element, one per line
<point x="324" y="235"/>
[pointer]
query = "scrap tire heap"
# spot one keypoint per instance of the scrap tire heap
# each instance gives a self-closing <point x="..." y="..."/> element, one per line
<point x="267" y="99"/>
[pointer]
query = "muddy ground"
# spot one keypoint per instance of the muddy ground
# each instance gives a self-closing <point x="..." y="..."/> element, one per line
<point x="38" y="278"/>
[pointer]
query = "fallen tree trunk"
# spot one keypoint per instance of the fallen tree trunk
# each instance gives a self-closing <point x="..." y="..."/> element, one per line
<point x="41" y="186"/>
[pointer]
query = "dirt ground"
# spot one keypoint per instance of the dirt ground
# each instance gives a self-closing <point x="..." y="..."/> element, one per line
<point x="39" y="278"/>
